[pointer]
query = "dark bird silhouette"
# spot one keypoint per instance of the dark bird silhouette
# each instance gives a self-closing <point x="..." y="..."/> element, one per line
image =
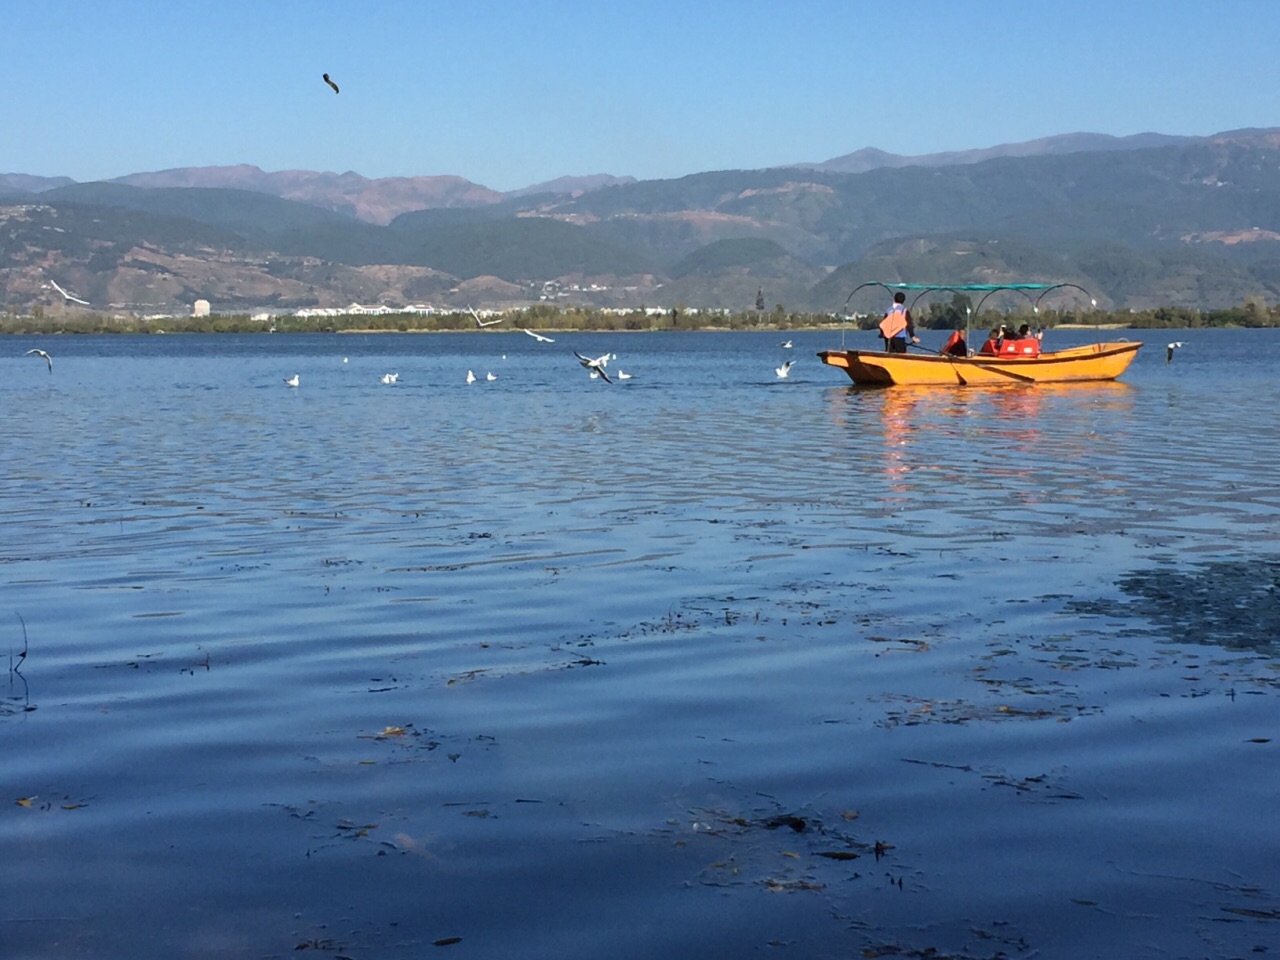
<point x="330" y="83"/>
<point x="40" y="353"/>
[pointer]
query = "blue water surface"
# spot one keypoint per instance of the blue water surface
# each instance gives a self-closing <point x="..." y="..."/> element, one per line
<point x="701" y="663"/>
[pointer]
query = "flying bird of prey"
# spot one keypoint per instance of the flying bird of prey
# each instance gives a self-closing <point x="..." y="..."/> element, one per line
<point x="1168" y="351"/>
<point x="40" y="353"/>
<point x="330" y="83"/>
<point x="594" y="366"/>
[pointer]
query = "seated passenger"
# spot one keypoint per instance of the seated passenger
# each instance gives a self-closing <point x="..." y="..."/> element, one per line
<point x="991" y="346"/>
<point x="1028" y="343"/>
<point x="956" y="346"/>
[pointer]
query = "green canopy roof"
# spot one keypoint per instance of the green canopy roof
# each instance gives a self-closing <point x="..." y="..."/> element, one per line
<point x="983" y="287"/>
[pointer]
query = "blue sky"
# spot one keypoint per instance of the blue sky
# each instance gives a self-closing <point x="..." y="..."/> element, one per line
<point x="508" y="94"/>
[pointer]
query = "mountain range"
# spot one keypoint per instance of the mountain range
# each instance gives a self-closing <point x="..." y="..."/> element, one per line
<point x="1140" y="221"/>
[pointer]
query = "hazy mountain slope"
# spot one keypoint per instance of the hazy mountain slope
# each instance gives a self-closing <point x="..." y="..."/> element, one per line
<point x="27" y="183"/>
<point x="869" y="158"/>
<point x="519" y="249"/>
<point x="250" y="212"/>
<point x="377" y="200"/>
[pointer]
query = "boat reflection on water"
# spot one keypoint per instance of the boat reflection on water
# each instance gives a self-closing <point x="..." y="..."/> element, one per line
<point x="920" y="440"/>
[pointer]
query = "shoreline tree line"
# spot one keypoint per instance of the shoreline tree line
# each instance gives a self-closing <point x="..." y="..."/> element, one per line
<point x="933" y="316"/>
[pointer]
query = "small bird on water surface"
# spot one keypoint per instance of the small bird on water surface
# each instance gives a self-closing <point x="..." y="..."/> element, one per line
<point x="292" y="381"/>
<point x="783" y="370"/>
<point x="1168" y="351"/>
<point x="330" y="83"/>
<point x="40" y="353"/>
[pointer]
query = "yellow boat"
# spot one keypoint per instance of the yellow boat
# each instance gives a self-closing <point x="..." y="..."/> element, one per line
<point x="1093" y="362"/>
<point x="1020" y="362"/>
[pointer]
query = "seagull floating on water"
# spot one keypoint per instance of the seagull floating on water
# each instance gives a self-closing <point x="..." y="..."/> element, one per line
<point x="1168" y="351"/>
<point x="491" y="375"/>
<point x="537" y="336"/>
<point x="595" y="366"/>
<point x="331" y="83"/>
<point x="471" y="377"/>
<point x="623" y="376"/>
<point x="786" y="344"/>
<point x="783" y="370"/>
<point x="40" y="353"/>
<point x="389" y="377"/>
<point x="292" y="381"/>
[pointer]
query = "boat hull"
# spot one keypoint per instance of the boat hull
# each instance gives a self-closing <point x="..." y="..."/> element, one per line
<point x="1092" y="362"/>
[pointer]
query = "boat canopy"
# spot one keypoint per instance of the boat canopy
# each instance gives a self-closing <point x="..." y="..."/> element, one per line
<point x="957" y="286"/>
<point x="1026" y="289"/>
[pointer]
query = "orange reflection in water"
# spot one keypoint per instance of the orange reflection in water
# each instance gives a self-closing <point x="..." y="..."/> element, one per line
<point x="1006" y="418"/>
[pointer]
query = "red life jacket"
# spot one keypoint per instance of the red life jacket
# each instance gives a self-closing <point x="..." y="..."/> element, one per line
<point x="956" y="338"/>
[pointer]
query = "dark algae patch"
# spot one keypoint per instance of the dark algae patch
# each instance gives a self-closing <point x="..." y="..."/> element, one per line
<point x="1233" y="603"/>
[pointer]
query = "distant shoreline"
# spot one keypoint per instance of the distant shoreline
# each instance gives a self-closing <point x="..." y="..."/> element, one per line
<point x="82" y="325"/>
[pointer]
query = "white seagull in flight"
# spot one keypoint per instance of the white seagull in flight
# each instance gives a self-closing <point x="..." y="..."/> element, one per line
<point x="40" y="353"/>
<point x="594" y="366"/>
<point x="537" y="336"/>
<point x="1168" y="351"/>
<point x="68" y="296"/>
<point x="783" y="370"/>
<point x="786" y="344"/>
<point x="484" y="323"/>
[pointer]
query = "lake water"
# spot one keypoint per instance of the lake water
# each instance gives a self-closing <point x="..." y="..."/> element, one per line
<point x="704" y="663"/>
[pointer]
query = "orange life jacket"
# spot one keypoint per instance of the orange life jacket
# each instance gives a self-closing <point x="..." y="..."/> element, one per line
<point x="894" y="322"/>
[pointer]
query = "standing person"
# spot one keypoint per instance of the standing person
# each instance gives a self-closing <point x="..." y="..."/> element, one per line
<point x="897" y="326"/>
